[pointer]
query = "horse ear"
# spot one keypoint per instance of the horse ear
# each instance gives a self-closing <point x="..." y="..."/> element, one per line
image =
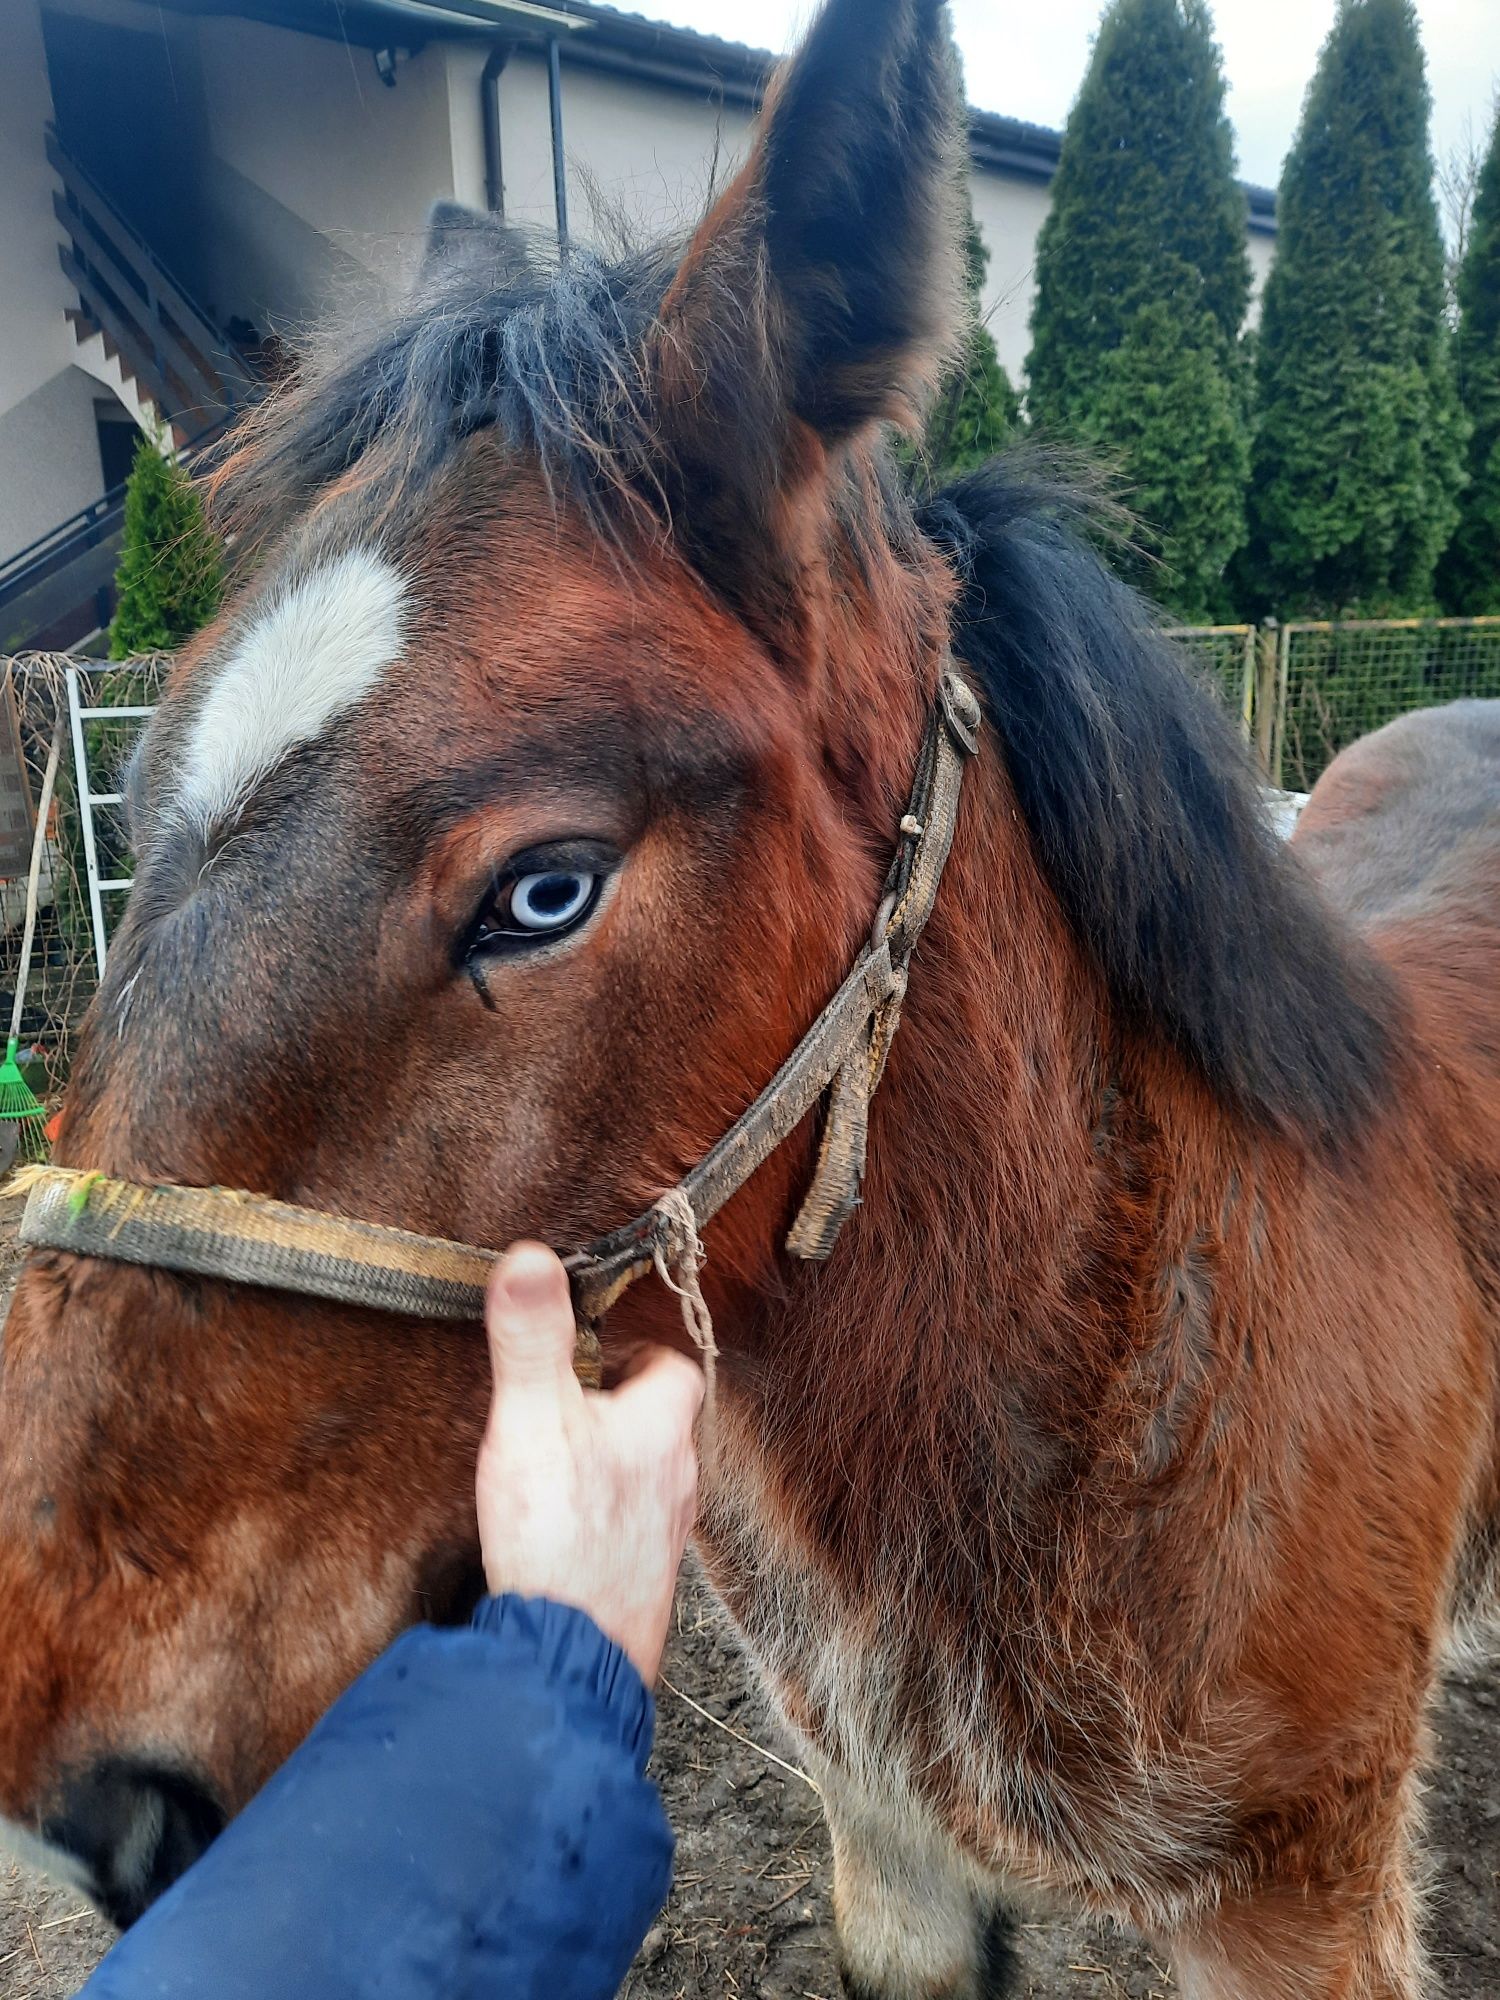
<point x="842" y="230"/>
<point x="458" y="234"/>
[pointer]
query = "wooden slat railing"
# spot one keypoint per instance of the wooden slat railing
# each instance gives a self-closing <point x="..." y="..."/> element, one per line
<point x="168" y="342"/>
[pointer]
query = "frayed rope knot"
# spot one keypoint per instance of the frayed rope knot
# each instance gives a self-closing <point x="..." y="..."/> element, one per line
<point x="683" y="1247"/>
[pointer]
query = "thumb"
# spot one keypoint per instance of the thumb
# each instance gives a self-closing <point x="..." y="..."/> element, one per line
<point x="529" y="1320"/>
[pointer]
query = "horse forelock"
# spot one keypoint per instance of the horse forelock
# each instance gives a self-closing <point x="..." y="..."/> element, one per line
<point x="553" y="361"/>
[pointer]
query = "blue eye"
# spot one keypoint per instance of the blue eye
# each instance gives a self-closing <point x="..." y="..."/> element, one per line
<point x="539" y="898"/>
<point x="551" y="901"/>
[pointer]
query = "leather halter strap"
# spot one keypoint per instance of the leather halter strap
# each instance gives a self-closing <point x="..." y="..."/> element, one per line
<point x="845" y="1047"/>
<point x="225" y="1234"/>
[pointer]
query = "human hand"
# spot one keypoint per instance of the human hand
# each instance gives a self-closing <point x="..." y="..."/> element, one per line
<point x="584" y="1496"/>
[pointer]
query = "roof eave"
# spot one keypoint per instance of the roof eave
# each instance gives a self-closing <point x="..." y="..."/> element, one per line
<point x="605" y="38"/>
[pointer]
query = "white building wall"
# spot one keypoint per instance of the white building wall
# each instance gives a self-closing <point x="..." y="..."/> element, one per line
<point x="306" y="125"/>
<point x="641" y="154"/>
<point x="33" y="291"/>
<point x="1262" y="252"/>
<point x="49" y="453"/>
<point x="525" y="141"/>
<point x="651" y="155"/>
<point x="465" y="66"/>
<point x="1009" y="209"/>
<point x="49" y="458"/>
<point x="311" y="182"/>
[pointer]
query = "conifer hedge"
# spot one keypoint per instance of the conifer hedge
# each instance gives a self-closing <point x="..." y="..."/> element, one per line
<point x="1358" y="453"/>
<point x="1143" y="280"/>
<point x="1470" y="575"/>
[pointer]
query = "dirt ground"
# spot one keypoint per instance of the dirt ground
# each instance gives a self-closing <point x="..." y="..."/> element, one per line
<point x="750" y="1911"/>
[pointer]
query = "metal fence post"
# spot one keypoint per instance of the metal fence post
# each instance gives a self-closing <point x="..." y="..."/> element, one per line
<point x="1265" y="694"/>
<point x="1283" y="675"/>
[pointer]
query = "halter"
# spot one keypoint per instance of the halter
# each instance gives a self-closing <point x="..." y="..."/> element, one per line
<point x="247" y="1239"/>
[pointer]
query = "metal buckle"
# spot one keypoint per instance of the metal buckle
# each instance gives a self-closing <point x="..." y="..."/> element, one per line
<point x="961" y="711"/>
<point x="882" y="921"/>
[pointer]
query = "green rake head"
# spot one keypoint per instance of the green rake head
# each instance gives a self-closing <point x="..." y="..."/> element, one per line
<point x="23" y="1117"/>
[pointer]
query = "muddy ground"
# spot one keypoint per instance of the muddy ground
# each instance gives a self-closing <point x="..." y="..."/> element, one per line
<point x="750" y="1911"/>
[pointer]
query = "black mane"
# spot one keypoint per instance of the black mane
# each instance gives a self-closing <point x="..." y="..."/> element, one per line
<point x="1148" y="824"/>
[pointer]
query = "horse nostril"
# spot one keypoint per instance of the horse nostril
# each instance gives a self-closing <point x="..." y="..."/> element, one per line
<point x="135" y="1828"/>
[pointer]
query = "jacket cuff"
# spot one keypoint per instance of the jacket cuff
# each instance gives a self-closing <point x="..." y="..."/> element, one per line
<point x="570" y="1651"/>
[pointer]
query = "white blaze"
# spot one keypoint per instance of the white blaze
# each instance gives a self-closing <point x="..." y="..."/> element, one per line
<point x="321" y="642"/>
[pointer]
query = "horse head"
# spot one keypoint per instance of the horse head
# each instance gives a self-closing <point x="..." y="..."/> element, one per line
<point x="525" y="803"/>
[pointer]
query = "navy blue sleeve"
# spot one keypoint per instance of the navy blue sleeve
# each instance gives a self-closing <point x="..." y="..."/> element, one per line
<point x="471" y="1819"/>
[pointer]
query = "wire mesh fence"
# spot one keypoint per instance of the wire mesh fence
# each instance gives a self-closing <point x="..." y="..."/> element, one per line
<point x="64" y="962"/>
<point x="1224" y="656"/>
<point x="1304" y="690"/>
<point x="1337" y="682"/>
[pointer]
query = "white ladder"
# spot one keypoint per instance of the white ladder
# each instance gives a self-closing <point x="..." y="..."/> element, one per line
<point x="79" y="712"/>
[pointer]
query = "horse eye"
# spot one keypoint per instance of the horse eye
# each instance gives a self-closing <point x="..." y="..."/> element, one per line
<point x="541" y="896"/>
<point x="551" y="901"/>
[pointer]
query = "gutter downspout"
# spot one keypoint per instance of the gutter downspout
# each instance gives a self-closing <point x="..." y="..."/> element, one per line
<point x="489" y="114"/>
<point x="559" y="162"/>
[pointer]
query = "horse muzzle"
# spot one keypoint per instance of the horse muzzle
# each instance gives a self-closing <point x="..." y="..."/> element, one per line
<point x="125" y="1829"/>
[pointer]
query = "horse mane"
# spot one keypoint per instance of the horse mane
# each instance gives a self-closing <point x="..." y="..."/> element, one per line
<point x="1147" y="821"/>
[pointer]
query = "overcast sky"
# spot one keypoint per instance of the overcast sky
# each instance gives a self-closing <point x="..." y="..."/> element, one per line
<point x="1027" y="58"/>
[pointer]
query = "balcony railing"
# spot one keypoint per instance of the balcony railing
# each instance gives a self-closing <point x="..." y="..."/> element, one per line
<point x="180" y="360"/>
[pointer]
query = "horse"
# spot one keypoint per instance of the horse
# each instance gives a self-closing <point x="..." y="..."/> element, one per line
<point x="1097" y="1514"/>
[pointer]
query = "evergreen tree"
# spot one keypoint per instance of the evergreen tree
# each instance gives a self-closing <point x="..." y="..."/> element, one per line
<point x="1469" y="578"/>
<point x="1143" y="281"/>
<point x="170" y="575"/>
<point x="1358" y="452"/>
<point x="977" y="410"/>
<point x="1172" y="414"/>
